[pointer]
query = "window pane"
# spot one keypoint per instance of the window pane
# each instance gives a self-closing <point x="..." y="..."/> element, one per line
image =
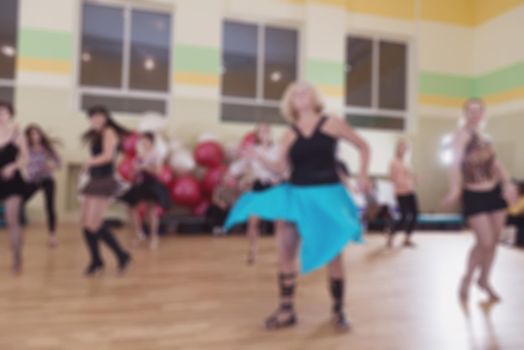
<point x="392" y="75"/>
<point x="280" y="61"/>
<point x="233" y="112"/>
<point x="7" y="94"/>
<point x="239" y="58"/>
<point x="358" y="72"/>
<point x="125" y="104"/>
<point x="150" y="42"/>
<point x="8" y="30"/>
<point x="102" y="46"/>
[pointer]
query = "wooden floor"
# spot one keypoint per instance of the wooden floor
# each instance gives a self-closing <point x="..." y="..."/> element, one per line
<point x="197" y="293"/>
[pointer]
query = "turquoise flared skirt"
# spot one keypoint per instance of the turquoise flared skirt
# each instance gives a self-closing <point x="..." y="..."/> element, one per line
<point x="325" y="217"/>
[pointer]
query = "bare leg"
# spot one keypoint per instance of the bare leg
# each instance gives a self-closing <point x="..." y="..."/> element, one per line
<point x="136" y="223"/>
<point x="12" y="206"/>
<point x="336" y="267"/>
<point x="498" y="220"/>
<point x="287" y="244"/>
<point x="481" y="226"/>
<point x="252" y="234"/>
<point x="153" y="227"/>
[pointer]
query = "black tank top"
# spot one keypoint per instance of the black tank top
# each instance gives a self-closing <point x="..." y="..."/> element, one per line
<point x="102" y="170"/>
<point x="312" y="159"/>
<point x="8" y="154"/>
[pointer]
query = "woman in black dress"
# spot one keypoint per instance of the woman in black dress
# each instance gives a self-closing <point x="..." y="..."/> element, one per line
<point x="103" y="137"/>
<point x="148" y="189"/>
<point x="13" y="155"/>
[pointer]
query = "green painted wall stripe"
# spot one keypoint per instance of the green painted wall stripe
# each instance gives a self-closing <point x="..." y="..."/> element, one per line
<point x="325" y="72"/>
<point x="500" y="80"/>
<point x="197" y="59"/>
<point x="446" y="85"/>
<point x="45" y="44"/>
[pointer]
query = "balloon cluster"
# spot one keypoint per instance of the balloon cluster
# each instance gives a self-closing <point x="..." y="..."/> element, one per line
<point x="182" y="165"/>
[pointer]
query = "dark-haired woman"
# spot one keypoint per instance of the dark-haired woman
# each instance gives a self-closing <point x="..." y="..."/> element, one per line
<point x="148" y="189"/>
<point x="13" y="155"/>
<point x="103" y="137"/>
<point x="42" y="161"/>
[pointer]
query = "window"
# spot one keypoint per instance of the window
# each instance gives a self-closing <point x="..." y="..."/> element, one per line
<point x="8" y="48"/>
<point x="259" y="62"/>
<point x="376" y="83"/>
<point x="125" y="58"/>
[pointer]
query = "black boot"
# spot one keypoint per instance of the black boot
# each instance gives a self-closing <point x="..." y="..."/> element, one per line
<point x="339" y="317"/>
<point x="285" y="315"/>
<point x="96" y="263"/>
<point x="122" y="256"/>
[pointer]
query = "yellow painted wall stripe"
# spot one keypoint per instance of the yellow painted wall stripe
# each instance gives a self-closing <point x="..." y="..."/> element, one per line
<point x="506" y="96"/>
<point x="399" y="9"/>
<point x="468" y="13"/>
<point x="331" y="91"/>
<point x="44" y="65"/>
<point x="441" y="101"/>
<point x="197" y="79"/>
<point x="498" y="98"/>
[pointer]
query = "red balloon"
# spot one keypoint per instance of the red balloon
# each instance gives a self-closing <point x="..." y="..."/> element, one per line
<point x="201" y="208"/>
<point x="166" y="176"/>
<point x="129" y="144"/>
<point x="250" y="139"/>
<point x="209" y="154"/>
<point x="126" y="168"/>
<point x="186" y="191"/>
<point x="212" y="178"/>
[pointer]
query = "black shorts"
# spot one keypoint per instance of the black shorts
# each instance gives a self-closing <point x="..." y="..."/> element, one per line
<point x="477" y="202"/>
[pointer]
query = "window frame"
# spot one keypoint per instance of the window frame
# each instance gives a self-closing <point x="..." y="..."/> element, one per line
<point x="375" y="110"/>
<point x="261" y="25"/>
<point x="12" y="83"/>
<point x="124" y="91"/>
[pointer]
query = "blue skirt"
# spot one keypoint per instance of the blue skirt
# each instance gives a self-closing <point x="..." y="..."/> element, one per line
<point x="325" y="216"/>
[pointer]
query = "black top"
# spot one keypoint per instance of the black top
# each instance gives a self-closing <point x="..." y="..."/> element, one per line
<point x="8" y="154"/>
<point x="14" y="186"/>
<point x="312" y="158"/>
<point x="102" y="170"/>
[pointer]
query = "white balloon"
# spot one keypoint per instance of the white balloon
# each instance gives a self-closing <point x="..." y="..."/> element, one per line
<point x="176" y="145"/>
<point x="207" y="136"/>
<point x="182" y="161"/>
<point x="152" y="122"/>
